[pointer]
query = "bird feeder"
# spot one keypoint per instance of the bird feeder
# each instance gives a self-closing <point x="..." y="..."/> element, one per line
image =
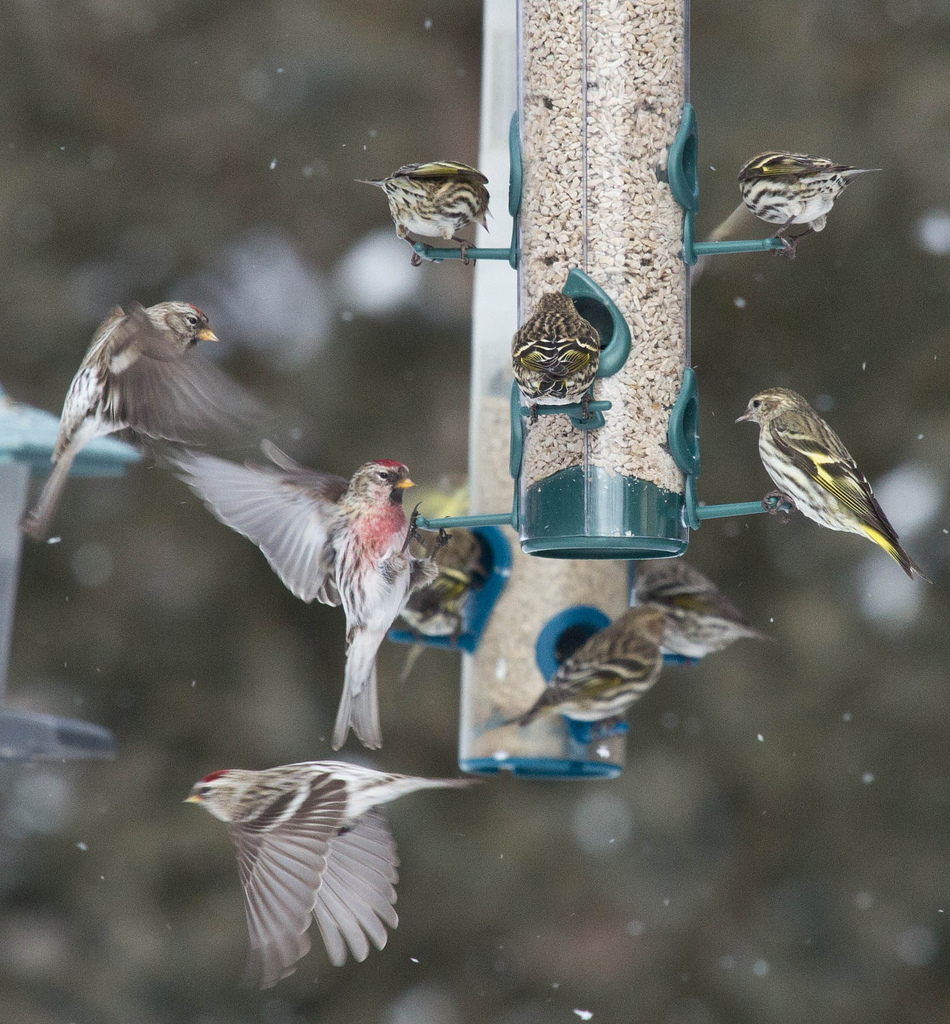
<point x="27" y="437"/>
<point x="603" y="192"/>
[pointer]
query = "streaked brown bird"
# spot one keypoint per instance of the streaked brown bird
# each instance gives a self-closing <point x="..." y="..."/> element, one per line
<point x="141" y="372"/>
<point x="793" y="188"/>
<point x="698" y="618"/>
<point x="436" y="609"/>
<point x="815" y="472"/>
<point x="436" y="199"/>
<point x="555" y="353"/>
<point x="337" y="540"/>
<point x="309" y="844"/>
<point x="607" y="673"/>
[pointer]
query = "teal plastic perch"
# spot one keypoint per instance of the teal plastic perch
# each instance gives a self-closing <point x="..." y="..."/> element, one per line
<point x="682" y="174"/>
<point x="436" y="254"/>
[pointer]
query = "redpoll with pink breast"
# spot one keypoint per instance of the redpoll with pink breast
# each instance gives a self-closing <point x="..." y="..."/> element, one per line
<point x="341" y="542"/>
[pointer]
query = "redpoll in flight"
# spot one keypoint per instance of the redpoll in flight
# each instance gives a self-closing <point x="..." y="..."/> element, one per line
<point x="140" y="372"/>
<point x="339" y="541"/>
<point x="309" y="843"/>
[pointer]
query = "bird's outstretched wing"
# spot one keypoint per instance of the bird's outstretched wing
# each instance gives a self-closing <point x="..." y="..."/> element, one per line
<point x="186" y="399"/>
<point x="356" y="895"/>
<point x="282" y="859"/>
<point x="286" y="510"/>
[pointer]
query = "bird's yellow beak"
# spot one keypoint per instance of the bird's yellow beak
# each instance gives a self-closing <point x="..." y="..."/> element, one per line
<point x="403" y="484"/>
<point x="206" y="334"/>
<point x="193" y="799"/>
<point x="362" y="181"/>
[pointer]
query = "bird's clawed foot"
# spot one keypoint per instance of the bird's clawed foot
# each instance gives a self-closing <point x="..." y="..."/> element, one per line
<point x="464" y="246"/>
<point x="413" y="532"/>
<point x="416" y="259"/>
<point x="773" y="501"/>
<point x="442" y="538"/>
<point x="788" y="245"/>
<point x="790" y="242"/>
<point x="534" y="414"/>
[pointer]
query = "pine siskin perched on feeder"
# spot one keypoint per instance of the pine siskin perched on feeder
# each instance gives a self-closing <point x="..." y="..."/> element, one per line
<point x="436" y="199"/>
<point x="698" y="618"/>
<point x="605" y="675"/>
<point x="792" y="188"/>
<point x="140" y="372"/>
<point x="309" y="843"/>
<point x="815" y="472"/>
<point x="436" y="609"/>
<point x="339" y="541"/>
<point x="555" y="354"/>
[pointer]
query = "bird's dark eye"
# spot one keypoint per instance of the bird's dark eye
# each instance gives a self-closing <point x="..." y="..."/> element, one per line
<point x="192" y="320"/>
<point x="756" y="404"/>
<point x="204" y="791"/>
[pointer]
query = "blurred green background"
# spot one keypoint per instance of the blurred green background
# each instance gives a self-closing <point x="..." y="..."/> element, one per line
<point x="776" y="849"/>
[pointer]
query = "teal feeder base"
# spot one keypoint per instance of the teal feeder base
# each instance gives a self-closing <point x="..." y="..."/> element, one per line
<point x="575" y="514"/>
<point x="540" y="767"/>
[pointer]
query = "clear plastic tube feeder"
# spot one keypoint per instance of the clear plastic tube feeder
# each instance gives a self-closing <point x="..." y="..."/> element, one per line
<point x="602" y="90"/>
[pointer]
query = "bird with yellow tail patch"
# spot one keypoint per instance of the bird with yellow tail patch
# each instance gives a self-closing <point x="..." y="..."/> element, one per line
<point x="815" y="472"/>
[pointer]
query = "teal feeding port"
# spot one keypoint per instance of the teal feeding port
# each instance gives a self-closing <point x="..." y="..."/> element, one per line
<point x="683" y="175"/>
<point x="479" y="603"/>
<point x="27" y="437"/>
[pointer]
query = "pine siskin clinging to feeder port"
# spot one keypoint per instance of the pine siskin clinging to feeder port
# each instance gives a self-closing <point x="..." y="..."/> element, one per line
<point x="140" y="372"/>
<point x="792" y="188"/>
<point x="605" y="675"/>
<point x="309" y="844"/>
<point x="815" y="472"/>
<point x="339" y="541"/>
<point x="698" y="618"/>
<point x="555" y="354"/>
<point x="436" y="199"/>
<point x="436" y="609"/>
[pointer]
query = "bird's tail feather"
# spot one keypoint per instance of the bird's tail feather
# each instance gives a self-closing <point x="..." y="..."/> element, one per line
<point x="897" y="553"/>
<point x="359" y="706"/>
<point x="36" y="522"/>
